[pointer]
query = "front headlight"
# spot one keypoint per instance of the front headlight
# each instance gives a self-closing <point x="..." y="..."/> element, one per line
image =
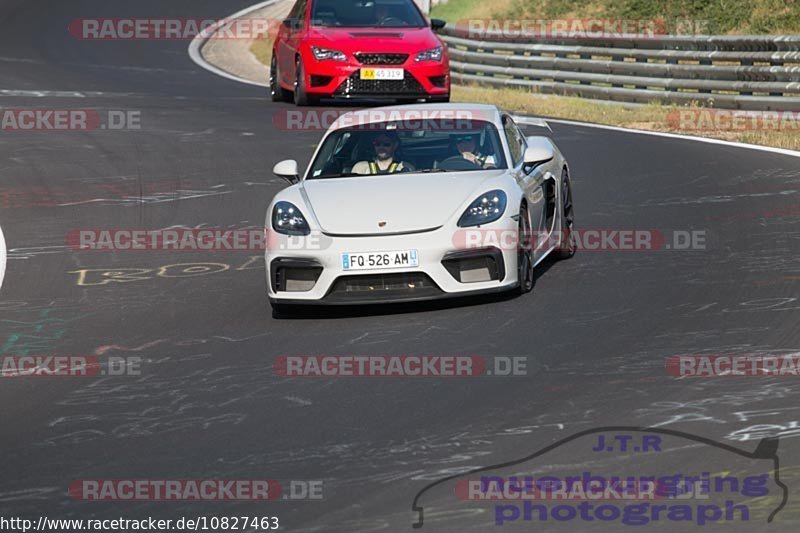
<point x="287" y="219"/>
<point x="321" y="54"/>
<point x="434" y="54"/>
<point x="487" y="208"/>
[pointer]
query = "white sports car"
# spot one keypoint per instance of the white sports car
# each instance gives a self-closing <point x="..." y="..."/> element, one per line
<point x="417" y="202"/>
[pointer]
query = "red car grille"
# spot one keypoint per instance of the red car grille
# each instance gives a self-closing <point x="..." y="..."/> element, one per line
<point x="355" y="86"/>
<point x="382" y="59"/>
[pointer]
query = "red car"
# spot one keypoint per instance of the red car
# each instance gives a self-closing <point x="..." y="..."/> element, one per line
<point x="371" y="49"/>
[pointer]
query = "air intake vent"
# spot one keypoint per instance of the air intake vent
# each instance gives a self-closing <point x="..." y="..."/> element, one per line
<point x="382" y="286"/>
<point x="473" y="266"/>
<point x="355" y="86"/>
<point x="382" y="59"/>
<point x="294" y="275"/>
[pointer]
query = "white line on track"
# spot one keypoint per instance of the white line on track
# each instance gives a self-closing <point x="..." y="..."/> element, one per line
<point x="61" y="94"/>
<point x="197" y="44"/>
<point x="783" y="151"/>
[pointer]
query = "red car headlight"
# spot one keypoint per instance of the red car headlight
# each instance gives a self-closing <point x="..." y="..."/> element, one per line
<point x="434" y="54"/>
<point x="322" y="54"/>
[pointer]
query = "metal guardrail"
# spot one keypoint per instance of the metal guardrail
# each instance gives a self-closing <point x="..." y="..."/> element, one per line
<point x="738" y="72"/>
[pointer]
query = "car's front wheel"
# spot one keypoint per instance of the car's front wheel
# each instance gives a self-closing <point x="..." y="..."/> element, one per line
<point x="524" y="252"/>
<point x="276" y="92"/>
<point x="301" y="97"/>
<point x="567" y="244"/>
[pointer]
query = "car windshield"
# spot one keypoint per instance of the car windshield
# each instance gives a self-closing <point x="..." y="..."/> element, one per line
<point x="426" y="146"/>
<point x="366" y="14"/>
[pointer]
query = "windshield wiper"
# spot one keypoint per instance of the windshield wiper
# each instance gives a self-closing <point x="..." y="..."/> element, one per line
<point x="345" y="175"/>
<point x="353" y="174"/>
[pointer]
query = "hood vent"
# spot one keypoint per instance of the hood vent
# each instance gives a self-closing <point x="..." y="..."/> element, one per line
<point x="378" y="35"/>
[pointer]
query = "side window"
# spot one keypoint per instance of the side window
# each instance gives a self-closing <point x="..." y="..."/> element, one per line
<point x="299" y="10"/>
<point x="302" y="14"/>
<point x="293" y="12"/>
<point x="516" y="142"/>
<point x="341" y="143"/>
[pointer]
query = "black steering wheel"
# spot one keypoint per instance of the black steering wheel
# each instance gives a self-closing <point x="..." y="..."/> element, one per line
<point x="392" y="21"/>
<point x="458" y="162"/>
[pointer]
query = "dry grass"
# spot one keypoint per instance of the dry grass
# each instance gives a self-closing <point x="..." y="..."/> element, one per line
<point x="456" y="10"/>
<point x="653" y="117"/>
<point x="735" y="17"/>
<point x="262" y="48"/>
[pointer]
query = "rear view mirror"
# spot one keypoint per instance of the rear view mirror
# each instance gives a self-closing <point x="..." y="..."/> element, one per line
<point x="438" y="24"/>
<point x="287" y="169"/>
<point x="540" y="150"/>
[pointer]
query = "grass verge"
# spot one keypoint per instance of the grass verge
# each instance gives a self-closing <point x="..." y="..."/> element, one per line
<point x="262" y="48"/>
<point x="654" y="117"/>
<point x="718" y="16"/>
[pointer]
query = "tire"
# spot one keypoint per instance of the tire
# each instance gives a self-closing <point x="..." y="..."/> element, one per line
<point x="524" y="253"/>
<point x="301" y="97"/>
<point x="567" y="245"/>
<point x="276" y="92"/>
<point x="440" y="99"/>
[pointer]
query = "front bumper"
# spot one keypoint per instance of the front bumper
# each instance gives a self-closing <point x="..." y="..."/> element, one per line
<point x="325" y="282"/>
<point x="410" y="299"/>
<point x="342" y="80"/>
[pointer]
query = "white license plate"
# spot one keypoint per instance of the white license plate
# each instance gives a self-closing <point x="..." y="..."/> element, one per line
<point x="373" y="260"/>
<point x="381" y="74"/>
